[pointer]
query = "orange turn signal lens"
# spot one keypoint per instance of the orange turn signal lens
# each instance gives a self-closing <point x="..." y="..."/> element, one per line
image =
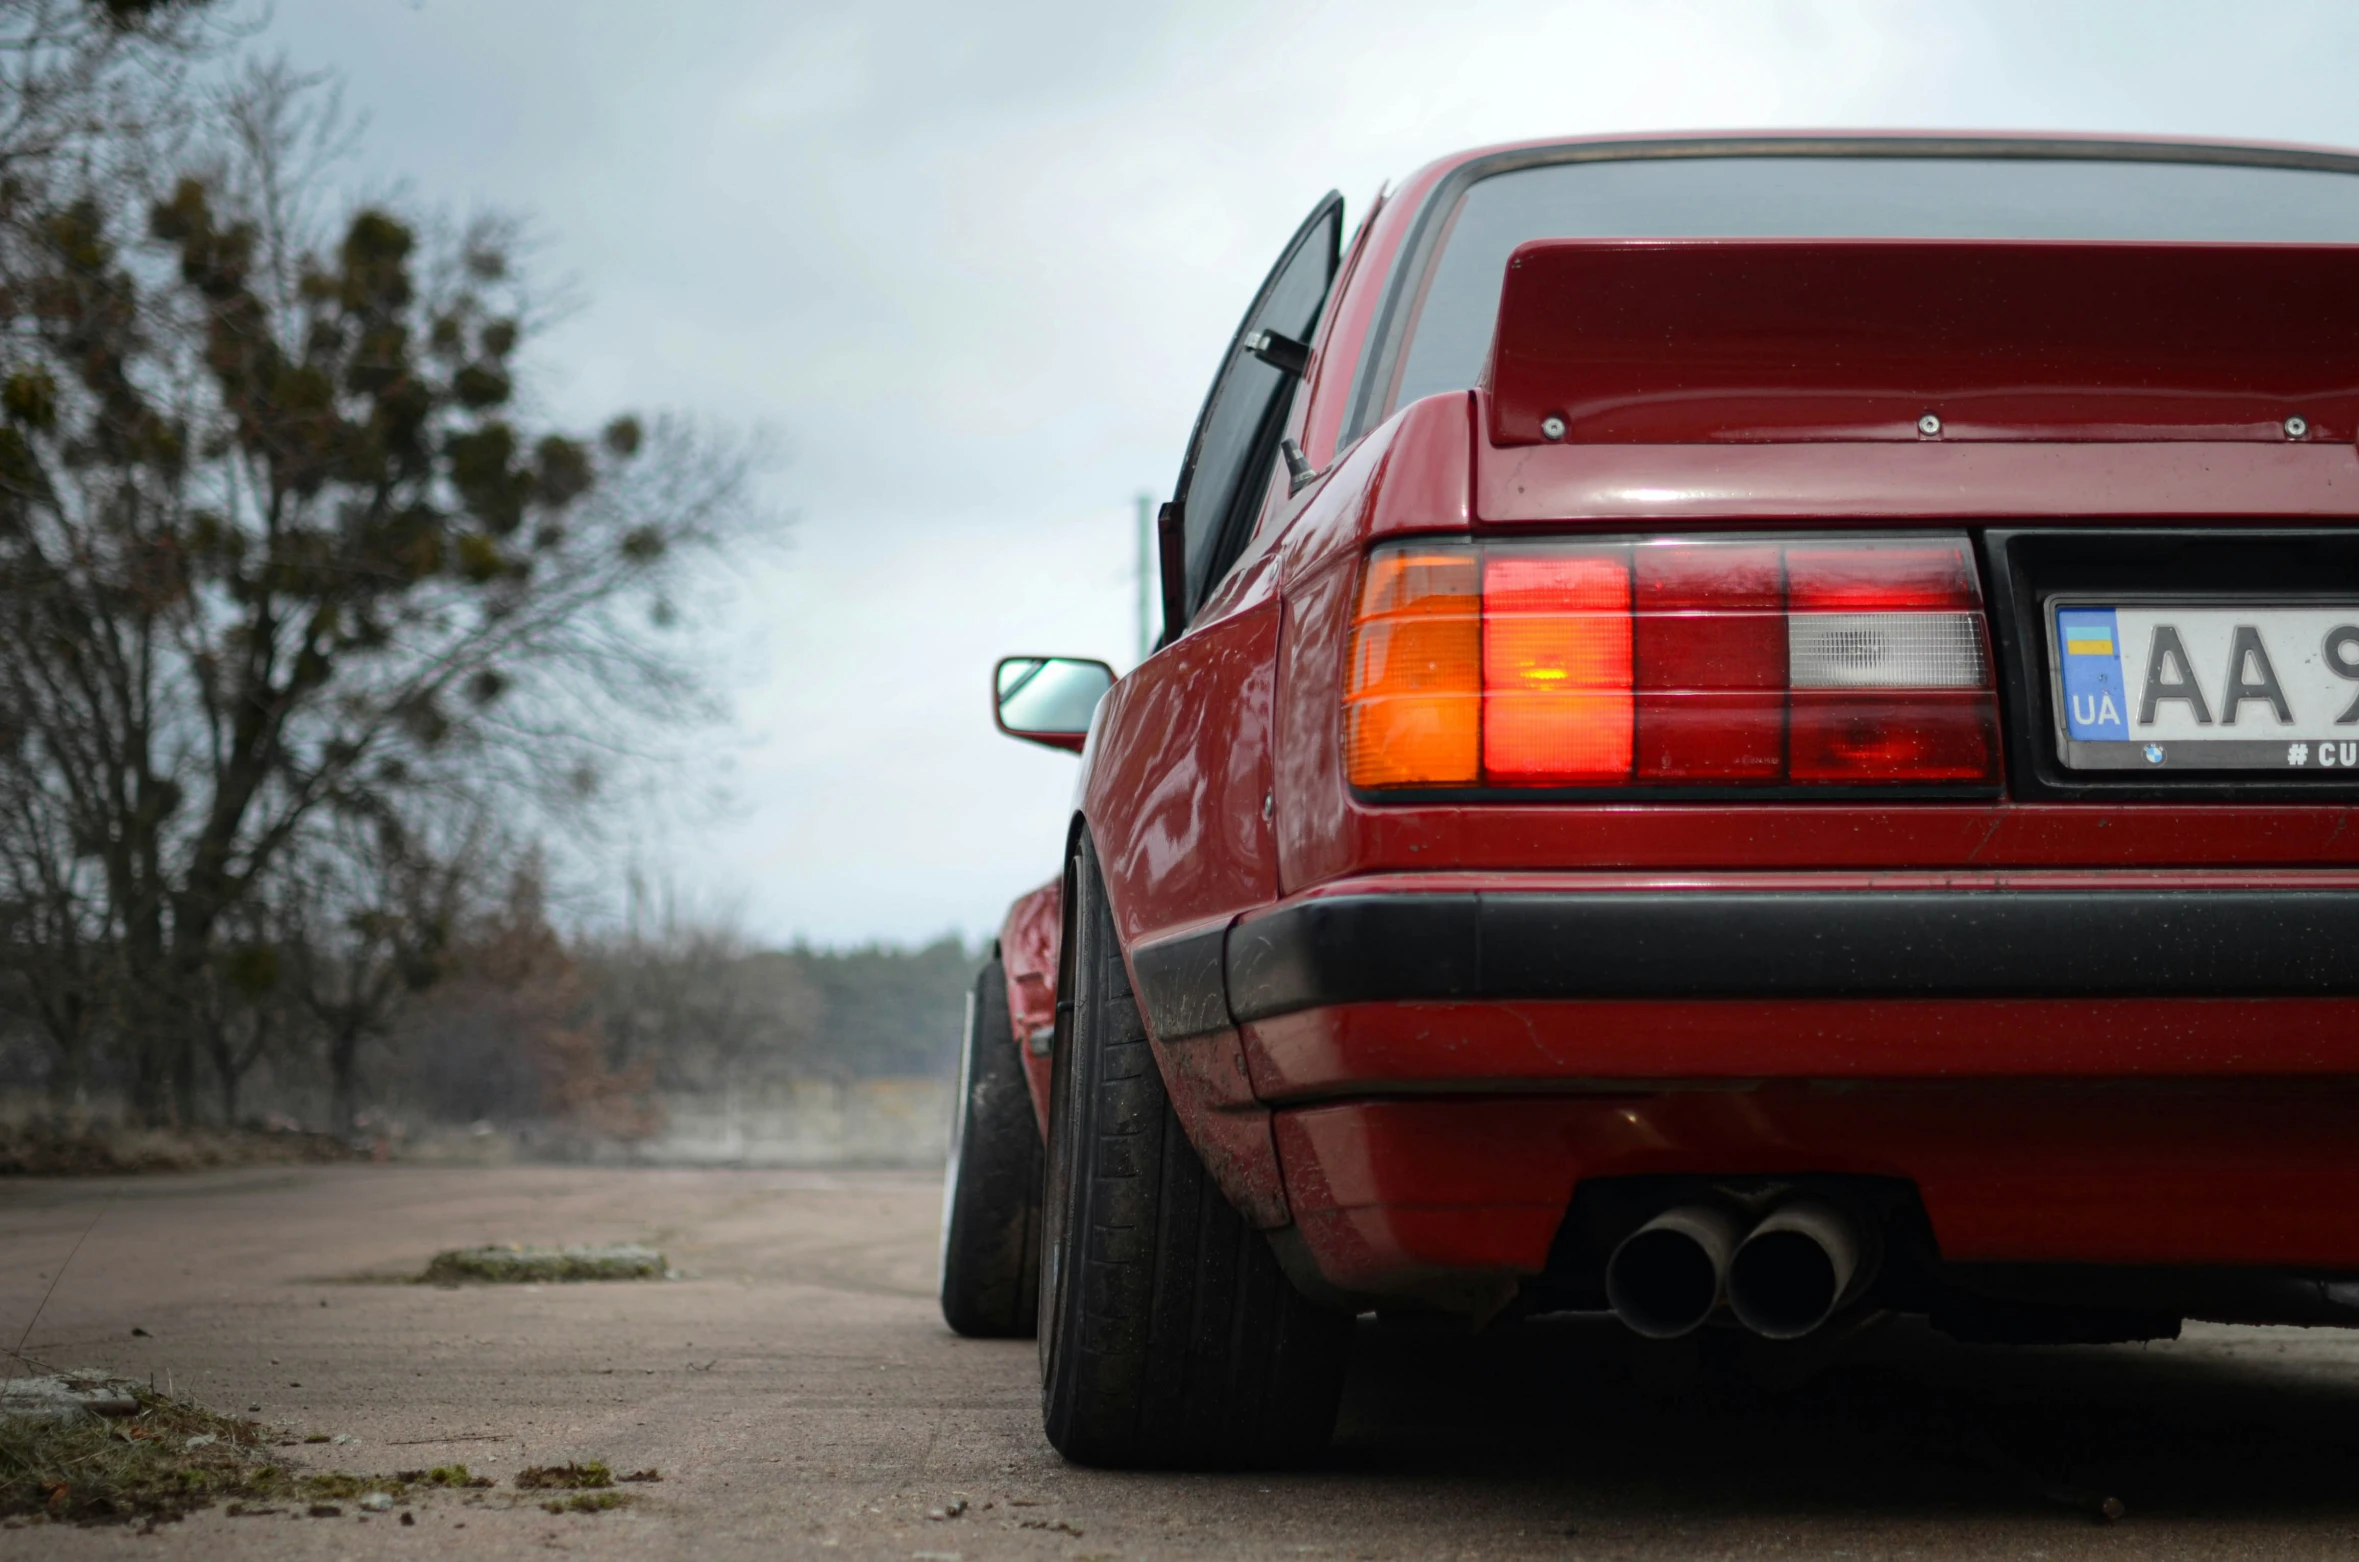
<point x="1412" y="707"/>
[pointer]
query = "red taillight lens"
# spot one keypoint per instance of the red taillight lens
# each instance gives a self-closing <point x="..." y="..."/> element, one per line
<point x="1682" y="662"/>
<point x="1711" y="662"/>
<point x="1892" y="575"/>
<point x="1921" y="735"/>
<point x="1556" y="667"/>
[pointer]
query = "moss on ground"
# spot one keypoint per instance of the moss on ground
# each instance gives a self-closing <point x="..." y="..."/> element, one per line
<point x="171" y="1459"/>
<point x="587" y="1502"/>
<point x="162" y="1463"/>
<point x="565" y="1477"/>
<point x="513" y="1265"/>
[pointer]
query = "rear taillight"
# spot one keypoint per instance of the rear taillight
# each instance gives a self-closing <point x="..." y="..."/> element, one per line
<point x="1674" y="662"/>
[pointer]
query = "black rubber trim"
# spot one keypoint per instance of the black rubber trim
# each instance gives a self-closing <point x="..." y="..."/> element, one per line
<point x="1814" y="944"/>
<point x="1179" y="985"/>
<point x="1373" y="946"/>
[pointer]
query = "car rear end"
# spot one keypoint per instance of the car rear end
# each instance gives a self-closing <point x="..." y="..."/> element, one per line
<point x="1817" y="771"/>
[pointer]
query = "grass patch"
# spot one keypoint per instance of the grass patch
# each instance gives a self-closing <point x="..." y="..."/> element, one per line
<point x="513" y="1265"/>
<point x="94" y="1470"/>
<point x="588" y="1502"/>
<point x="171" y="1459"/>
<point x="592" y="1485"/>
<point x="162" y="1463"/>
<point x="565" y="1477"/>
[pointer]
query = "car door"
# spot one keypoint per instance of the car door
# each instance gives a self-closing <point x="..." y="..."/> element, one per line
<point x="1235" y="443"/>
<point x="1176" y="783"/>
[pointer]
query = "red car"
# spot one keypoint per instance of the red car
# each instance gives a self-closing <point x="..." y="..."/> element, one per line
<point x="1749" y="729"/>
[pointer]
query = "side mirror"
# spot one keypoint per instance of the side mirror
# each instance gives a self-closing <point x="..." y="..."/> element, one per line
<point x="1049" y="699"/>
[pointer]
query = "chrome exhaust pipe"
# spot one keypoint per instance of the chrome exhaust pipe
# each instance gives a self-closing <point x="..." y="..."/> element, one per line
<point x="1794" y="1270"/>
<point x="1666" y="1277"/>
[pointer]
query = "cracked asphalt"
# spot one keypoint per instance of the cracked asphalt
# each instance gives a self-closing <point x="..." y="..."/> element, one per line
<point x="800" y="1396"/>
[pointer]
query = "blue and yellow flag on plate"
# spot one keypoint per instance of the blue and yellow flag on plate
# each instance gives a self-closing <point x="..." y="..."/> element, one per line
<point x="2095" y="704"/>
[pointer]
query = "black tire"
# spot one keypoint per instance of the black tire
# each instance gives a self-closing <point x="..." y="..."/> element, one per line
<point x="1170" y="1338"/>
<point x="991" y="1203"/>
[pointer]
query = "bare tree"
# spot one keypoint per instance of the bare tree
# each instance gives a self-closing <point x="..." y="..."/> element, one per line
<point x="278" y="554"/>
<point x="370" y="914"/>
<point x="76" y="75"/>
<point x="512" y="1030"/>
<point x="687" y="996"/>
<point x="55" y="941"/>
<point x="241" y="1014"/>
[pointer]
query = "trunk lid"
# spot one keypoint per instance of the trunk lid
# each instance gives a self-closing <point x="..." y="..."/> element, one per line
<point x="1654" y="342"/>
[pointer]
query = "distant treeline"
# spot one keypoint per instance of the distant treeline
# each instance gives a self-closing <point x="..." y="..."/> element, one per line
<point x="700" y="1010"/>
<point x="521" y="1025"/>
<point x="881" y="1010"/>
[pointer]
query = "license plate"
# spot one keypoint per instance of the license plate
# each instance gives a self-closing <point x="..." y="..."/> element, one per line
<point x="2207" y="686"/>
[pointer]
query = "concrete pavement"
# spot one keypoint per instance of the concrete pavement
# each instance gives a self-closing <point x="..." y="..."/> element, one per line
<point x="801" y="1397"/>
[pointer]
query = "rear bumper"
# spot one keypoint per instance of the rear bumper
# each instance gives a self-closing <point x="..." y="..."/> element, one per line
<point x="2105" y="1069"/>
<point x="1438" y="1200"/>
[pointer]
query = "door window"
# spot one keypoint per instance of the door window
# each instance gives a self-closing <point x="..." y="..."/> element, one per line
<point x="1235" y="443"/>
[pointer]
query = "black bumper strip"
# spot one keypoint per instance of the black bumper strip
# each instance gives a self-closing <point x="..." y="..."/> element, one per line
<point x="1181" y="991"/>
<point x="1776" y="944"/>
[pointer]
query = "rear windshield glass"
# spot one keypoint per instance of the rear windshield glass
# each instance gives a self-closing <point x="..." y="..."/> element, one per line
<point x="1841" y="197"/>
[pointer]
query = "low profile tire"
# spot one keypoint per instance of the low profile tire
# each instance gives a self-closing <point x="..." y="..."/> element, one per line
<point x="991" y="1204"/>
<point x="1170" y="1338"/>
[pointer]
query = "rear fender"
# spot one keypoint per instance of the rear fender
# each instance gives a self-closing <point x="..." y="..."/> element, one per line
<point x="1177" y="798"/>
<point x="1180" y="791"/>
<point x="1028" y="944"/>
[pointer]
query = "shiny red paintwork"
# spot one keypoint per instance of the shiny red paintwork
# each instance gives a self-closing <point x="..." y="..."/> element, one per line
<point x="1430" y="1150"/>
<point x="1324" y="832"/>
<point x="1028" y="944"/>
<point x="1454" y="1200"/>
<point x="1572" y="1045"/>
<point x="1181" y="753"/>
<point x="1749" y="341"/>
<point x="1740" y="485"/>
<point x="1351" y="313"/>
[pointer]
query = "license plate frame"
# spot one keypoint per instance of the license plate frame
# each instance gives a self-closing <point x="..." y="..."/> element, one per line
<point x="2274" y="751"/>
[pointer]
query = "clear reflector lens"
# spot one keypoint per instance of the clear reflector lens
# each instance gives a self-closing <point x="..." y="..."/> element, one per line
<point x="1884" y="651"/>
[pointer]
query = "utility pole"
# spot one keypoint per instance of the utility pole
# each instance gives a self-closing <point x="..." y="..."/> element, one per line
<point x="1146" y="575"/>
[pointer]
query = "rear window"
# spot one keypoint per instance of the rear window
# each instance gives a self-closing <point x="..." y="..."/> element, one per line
<point x="1840" y="197"/>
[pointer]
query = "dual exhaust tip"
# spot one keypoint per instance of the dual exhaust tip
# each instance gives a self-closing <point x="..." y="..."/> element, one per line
<point x="1791" y="1272"/>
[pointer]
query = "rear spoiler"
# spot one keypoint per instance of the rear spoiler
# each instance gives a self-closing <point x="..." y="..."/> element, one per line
<point x="1622" y="341"/>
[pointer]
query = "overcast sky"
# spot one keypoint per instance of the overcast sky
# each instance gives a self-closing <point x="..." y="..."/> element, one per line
<point x="973" y="265"/>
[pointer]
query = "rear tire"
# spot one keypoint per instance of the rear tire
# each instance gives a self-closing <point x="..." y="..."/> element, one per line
<point x="1169" y="1336"/>
<point x="991" y="1205"/>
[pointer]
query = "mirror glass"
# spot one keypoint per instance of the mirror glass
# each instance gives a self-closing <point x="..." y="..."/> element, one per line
<point x="1049" y="698"/>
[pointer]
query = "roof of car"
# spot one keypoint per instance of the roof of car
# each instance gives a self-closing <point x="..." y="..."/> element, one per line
<point x="1404" y="216"/>
<point x="2060" y="145"/>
